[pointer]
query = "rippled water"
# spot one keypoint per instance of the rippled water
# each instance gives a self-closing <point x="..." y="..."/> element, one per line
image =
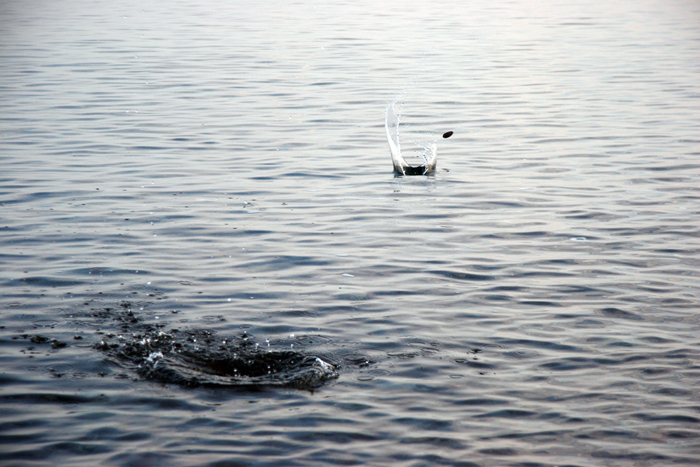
<point x="222" y="169"/>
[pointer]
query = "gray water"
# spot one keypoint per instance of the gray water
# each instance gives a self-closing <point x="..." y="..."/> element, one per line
<point x="223" y="166"/>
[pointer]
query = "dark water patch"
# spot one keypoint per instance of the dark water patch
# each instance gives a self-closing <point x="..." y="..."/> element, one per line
<point x="428" y="424"/>
<point x="332" y="436"/>
<point x="104" y="271"/>
<point x="49" y="196"/>
<point x="506" y="288"/>
<point x="681" y="434"/>
<point x="633" y="263"/>
<point x="578" y="289"/>
<point x="656" y="340"/>
<point x="479" y="401"/>
<point x="9" y="380"/>
<point x="675" y="418"/>
<point x="566" y="316"/>
<point x="618" y="313"/>
<point x="537" y="233"/>
<point x="441" y="442"/>
<point x="632" y="456"/>
<point x="542" y="274"/>
<point x="146" y="458"/>
<point x="477" y="365"/>
<point x="497" y="298"/>
<point x="509" y="343"/>
<point x="540" y="303"/>
<point x="429" y="459"/>
<point x="654" y="371"/>
<point x="666" y="168"/>
<point x="673" y="392"/>
<point x="51" y="398"/>
<point x="677" y="251"/>
<point x="498" y="204"/>
<point x="578" y="363"/>
<point x="57" y="450"/>
<point x="274" y="448"/>
<point x="508" y="413"/>
<point x="392" y="293"/>
<point x="359" y="296"/>
<point x="464" y="276"/>
<point x="310" y="175"/>
<point x="499" y="452"/>
<point x="296" y="313"/>
<point x="39" y="339"/>
<point x="311" y="340"/>
<point x="589" y="215"/>
<point x="156" y="403"/>
<point x="40" y="281"/>
<point x="285" y="262"/>
<point x="559" y="262"/>
<point x="201" y="357"/>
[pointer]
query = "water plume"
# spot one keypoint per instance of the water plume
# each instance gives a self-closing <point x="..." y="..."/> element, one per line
<point x="401" y="167"/>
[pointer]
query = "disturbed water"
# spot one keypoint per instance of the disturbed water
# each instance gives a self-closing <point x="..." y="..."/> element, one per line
<point x="208" y="260"/>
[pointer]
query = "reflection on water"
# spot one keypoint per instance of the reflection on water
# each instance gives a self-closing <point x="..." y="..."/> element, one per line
<point x="224" y="170"/>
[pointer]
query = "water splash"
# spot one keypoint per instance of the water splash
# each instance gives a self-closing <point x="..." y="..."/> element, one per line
<point x="391" y="124"/>
<point x="200" y="357"/>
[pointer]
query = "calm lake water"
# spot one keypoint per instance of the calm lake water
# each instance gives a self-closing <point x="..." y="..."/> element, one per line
<point x="221" y="169"/>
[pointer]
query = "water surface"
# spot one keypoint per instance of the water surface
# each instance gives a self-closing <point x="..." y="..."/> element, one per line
<point x="224" y="168"/>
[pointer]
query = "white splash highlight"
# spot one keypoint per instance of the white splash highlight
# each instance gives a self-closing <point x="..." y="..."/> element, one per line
<point x="327" y="368"/>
